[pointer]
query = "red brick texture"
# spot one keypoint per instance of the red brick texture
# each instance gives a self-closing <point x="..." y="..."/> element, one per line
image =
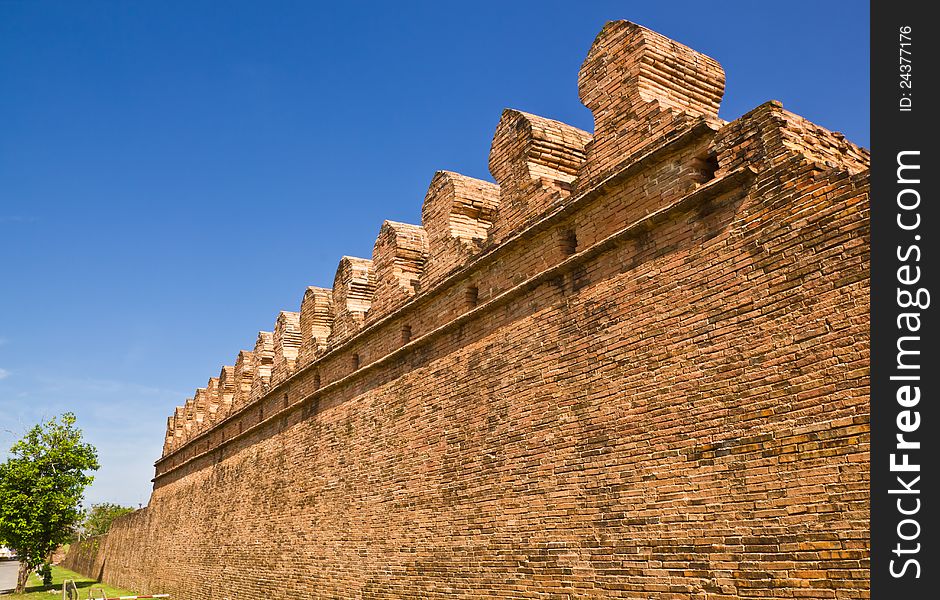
<point x="645" y="378"/>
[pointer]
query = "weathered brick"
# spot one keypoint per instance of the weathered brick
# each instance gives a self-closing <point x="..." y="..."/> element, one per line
<point x="637" y="368"/>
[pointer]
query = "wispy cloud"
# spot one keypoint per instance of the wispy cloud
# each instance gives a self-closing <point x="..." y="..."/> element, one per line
<point x="4" y="373"/>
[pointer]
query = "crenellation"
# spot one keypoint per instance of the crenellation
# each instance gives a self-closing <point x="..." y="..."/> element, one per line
<point x="189" y="420"/>
<point x="457" y="214"/>
<point x="200" y="410"/>
<point x="227" y="387"/>
<point x="213" y="401"/>
<point x="535" y="161"/>
<point x="353" y="288"/>
<point x="641" y="87"/>
<point x="316" y="322"/>
<point x="287" y="341"/>
<point x="168" y="438"/>
<point x="179" y="427"/>
<point x="244" y="379"/>
<point x="262" y="363"/>
<point x="398" y="259"/>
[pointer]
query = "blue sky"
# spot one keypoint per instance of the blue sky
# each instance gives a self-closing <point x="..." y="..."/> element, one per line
<point x="172" y="174"/>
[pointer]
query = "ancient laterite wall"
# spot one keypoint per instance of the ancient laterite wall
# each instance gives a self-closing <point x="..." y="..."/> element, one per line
<point x="634" y="367"/>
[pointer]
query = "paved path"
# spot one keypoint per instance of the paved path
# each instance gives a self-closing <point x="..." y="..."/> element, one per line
<point x="8" y="570"/>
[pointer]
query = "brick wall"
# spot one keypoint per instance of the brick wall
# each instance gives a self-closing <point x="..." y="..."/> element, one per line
<point x="637" y="368"/>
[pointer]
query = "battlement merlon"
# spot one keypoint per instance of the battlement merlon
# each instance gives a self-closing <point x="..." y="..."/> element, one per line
<point x="189" y="420"/>
<point x="244" y="378"/>
<point x="200" y="408"/>
<point x="213" y="400"/>
<point x="398" y="259"/>
<point x="641" y="86"/>
<point x="535" y="161"/>
<point x="353" y="287"/>
<point x="168" y="437"/>
<point x="316" y="322"/>
<point x="179" y="431"/>
<point x="287" y="340"/>
<point x="262" y="363"/>
<point x="227" y="386"/>
<point x="457" y="214"/>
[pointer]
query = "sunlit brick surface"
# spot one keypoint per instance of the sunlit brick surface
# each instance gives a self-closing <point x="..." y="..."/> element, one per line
<point x="636" y="369"/>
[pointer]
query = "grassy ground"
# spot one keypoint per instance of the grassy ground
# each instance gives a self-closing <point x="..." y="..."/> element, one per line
<point x="35" y="590"/>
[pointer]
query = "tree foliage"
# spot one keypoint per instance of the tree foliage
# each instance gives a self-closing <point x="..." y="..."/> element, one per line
<point x="41" y="487"/>
<point x="99" y="517"/>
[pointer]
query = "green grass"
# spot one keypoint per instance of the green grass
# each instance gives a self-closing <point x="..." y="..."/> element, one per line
<point x="35" y="590"/>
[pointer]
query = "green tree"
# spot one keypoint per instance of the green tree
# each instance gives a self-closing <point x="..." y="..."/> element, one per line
<point x="41" y="487"/>
<point x="98" y="518"/>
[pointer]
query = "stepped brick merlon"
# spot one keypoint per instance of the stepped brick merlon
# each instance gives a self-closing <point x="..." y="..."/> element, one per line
<point x="457" y="214"/>
<point x="227" y="386"/>
<point x="179" y="430"/>
<point x="398" y="259"/>
<point x="213" y="400"/>
<point x="641" y="86"/>
<point x="189" y="418"/>
<point x="353" y="288"/>
<point x="244" y="378"/>
<point x="316" y="322"/>
<point x="168" y="437"/>
<point x="262" y="362"/>
<point x="200" y="408"/>
<point x="534" y="160"/>
<point x="287" y="340"/>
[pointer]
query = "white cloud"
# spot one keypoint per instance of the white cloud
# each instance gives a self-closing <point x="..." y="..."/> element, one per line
<point x="4" y="373"/>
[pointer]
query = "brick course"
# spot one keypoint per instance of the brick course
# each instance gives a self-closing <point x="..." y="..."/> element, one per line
<point x="638" y="368"/>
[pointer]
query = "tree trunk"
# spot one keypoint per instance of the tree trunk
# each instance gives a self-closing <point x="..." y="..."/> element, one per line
<point x="21" y="578"/>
